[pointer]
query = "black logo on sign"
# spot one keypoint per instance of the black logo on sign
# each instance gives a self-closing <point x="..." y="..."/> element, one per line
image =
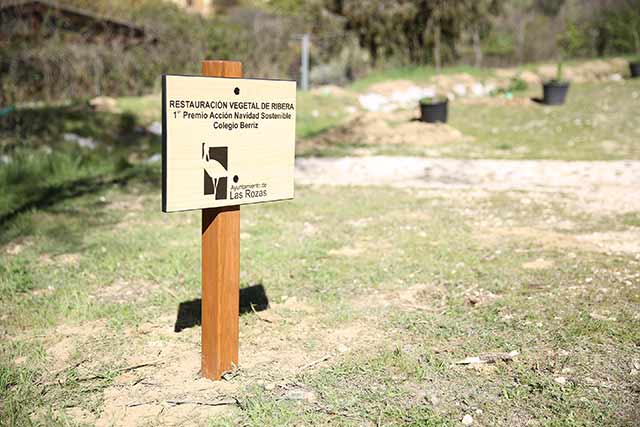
<point x="215" y="164"/>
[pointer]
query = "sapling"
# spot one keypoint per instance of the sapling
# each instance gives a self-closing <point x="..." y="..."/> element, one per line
<point x="559" y="73"/>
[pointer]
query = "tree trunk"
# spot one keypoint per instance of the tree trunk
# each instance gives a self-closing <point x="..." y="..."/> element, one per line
<point x="521" y="39"/>
<point x="373" y="51"/>
<point x="477" y="49"/>
<point x="436" y="46"/>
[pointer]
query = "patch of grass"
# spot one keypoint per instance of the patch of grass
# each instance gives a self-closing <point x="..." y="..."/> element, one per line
<point x="583" y="129"/>
<point x="595" y="124"/>
<point x="146" y="108"/>
<point x="317" y="113"/>
<point x="346" y="260"/>
<point x="18" y="397"/>
<point x="631" y="219"/>
<point x="358" y="391"/>
<point x="15" y="278"/>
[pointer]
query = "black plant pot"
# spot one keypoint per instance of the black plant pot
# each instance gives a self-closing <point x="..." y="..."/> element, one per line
<point x="436" y="111"/>
<point x="554" y="92"/>
<point x="634" y="67"/>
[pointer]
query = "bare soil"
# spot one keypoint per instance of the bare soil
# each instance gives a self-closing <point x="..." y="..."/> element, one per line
<point x="604" y="189"/>
<point x="123" y="291"/>
<point x="399" y="127"/>
<point x="159" y="383"/>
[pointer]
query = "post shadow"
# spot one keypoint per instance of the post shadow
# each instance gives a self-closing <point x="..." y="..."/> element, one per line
<point x="251" y="298"/>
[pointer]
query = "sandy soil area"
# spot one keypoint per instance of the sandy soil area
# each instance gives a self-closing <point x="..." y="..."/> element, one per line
<point x="600" y="189"/>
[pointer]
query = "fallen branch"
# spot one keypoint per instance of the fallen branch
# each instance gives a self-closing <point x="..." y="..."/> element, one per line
<point x="133" y="405"/>
<point x="58" y="372"/>
<point x="222" y="402"/>
<point x="121" y="370"/>
<point x="488" y="358"/>
<point x="268" y="318"/>
<point x="315" y="362"/>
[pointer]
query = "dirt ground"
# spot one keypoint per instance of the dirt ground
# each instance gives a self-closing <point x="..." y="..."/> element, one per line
<point x="161" y="383"/>
<point x="158" y="382"/>
<point x="601" y="189"/>
<point x="139" y="371"/>
<point x="399" y="127"/>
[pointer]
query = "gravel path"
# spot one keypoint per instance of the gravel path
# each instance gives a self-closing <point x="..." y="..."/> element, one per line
<point x="598" y="186"/>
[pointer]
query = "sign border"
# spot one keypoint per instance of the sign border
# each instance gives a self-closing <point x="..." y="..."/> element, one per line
<point x="164" y="137"/>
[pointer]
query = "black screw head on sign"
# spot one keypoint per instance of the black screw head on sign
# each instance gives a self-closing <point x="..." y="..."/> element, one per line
<point x="237" y="91"/>
<point x="236" y="179"/>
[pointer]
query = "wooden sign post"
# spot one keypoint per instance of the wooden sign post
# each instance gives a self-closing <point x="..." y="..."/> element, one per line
<point x="226" y="141"/>
<point x="220" y="270"/>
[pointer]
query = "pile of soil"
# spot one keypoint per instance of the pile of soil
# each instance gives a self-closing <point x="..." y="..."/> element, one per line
<point x="401" y="127"/>
<point x="400" y="94"/>
<point x="585" y="72"/>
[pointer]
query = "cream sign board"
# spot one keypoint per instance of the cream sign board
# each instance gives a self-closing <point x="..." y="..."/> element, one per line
<point x="226" y="141"/>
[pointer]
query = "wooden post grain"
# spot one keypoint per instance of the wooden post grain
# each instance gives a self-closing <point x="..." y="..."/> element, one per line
<point x="220" y="270"/>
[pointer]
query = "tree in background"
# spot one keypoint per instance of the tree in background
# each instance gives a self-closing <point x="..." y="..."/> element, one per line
<point x="416" y="31"/>
<point x="479" y="22"/>
<point x="600" y="27"/>
<point x="375" y="24"/>
<point x="620" y="27"/>
<point x="348" y="38"/>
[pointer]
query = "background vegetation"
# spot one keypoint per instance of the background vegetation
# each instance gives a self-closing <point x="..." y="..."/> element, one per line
<point x="349" y="39"/>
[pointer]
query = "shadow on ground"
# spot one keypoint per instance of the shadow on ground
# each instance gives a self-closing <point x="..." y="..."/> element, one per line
<point x="252" y="298"/>
<point x="48" y="196"/>
<point x="45" y="163"/>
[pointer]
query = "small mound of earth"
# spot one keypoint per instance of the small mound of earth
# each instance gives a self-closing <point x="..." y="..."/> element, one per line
<point x="590" y="71"/>
<point x="392" y="128"/>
